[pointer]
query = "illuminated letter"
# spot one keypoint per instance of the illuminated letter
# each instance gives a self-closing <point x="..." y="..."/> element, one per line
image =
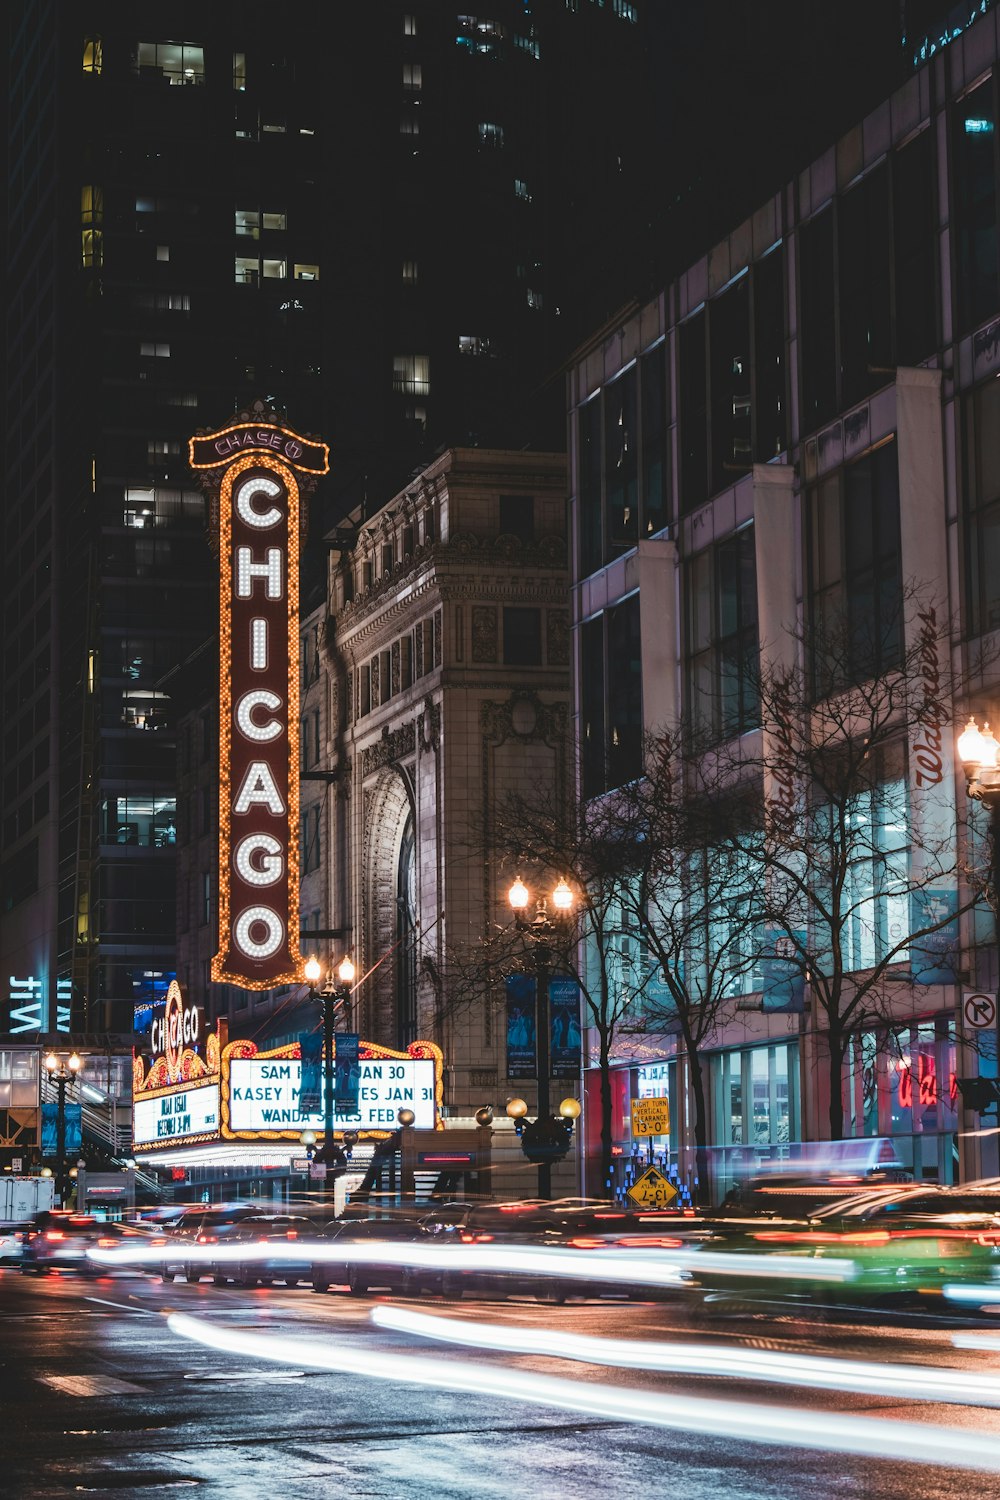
<point x="272" y="865"/>
<point x="247" y="570"/>
<point x="245" y="494"/>
<point x="258" y="645"/>
<point x="267" y="918"/>
<point x="259" y="698"/>
<point x="258" y="787"/>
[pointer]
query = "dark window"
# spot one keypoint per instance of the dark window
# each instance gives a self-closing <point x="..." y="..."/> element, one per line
<point x="818" y="340"/>
<point x="591" y="530"/>
<point x="693" y="414"/>
<point x="621" y="460"/>
<point x="914" y="218"/>
<point x="517" y="516"/>
<point x="982" y="419"/>
<point x="722" y="643"/>
<point x="522" y="637"/>
<point x="854" y="571"/>
<point x="865" y="333"/>
<point x="729" y="380"/>
<point x="592" y="716"/>
<point x="770" y="432"/>
<point x="654" y="439"/>
<point x="624" y="677"/>
<point x="975" y="206"/>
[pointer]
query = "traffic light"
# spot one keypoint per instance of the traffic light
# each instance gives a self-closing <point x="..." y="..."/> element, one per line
<point x="980" y="1094"/>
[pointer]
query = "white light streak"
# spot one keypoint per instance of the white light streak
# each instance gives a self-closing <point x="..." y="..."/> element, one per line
<point x="957" y="1292"/>
<point x="916" y="1382"/>
<point x="910" y="1442"/>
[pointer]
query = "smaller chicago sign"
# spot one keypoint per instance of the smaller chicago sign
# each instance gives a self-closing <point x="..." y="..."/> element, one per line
<point x="175" y="1078"/>
<point x="256" y="472"/>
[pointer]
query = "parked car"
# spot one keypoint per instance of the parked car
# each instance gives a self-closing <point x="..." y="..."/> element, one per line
<point x="60" y="1238"/>
<point x="338" y="1268"/>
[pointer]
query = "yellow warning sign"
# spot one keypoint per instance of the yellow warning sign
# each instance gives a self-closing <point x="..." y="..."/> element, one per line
<point x="653" y="1190"/>
<point x="650" y="1117"/>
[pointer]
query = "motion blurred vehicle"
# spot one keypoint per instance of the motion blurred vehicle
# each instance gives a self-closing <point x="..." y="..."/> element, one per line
<point x="202" y="1225"/>
<point x="253" y="1234"/>
<point x="905" y="1244"/>
<point x="11" y="1244"/>
<point x="338" y="1269"/>
<point x="60" y="1238"/>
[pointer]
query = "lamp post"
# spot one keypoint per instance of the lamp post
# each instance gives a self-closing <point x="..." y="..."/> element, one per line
<point x="60" y="1071"/>
<point x="546" y="1138"/>
<point x="331" y="997"/>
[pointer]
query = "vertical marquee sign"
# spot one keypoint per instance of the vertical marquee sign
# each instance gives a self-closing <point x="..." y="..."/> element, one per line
<point x="257" y="474"/>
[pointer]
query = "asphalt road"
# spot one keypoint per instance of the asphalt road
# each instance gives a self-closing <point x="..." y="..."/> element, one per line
<point x="100" y="1396"/>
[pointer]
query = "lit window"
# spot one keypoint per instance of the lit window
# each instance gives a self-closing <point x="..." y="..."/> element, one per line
<point x="275" y="128"/>
<point x="417" y="415"/>
<point x="521" y="190"/>
<point x="411" y="374"/>
<point x="275" y="221"/>
<point x="93" y="248"/>
<point x="248" y="223"/>
<point x="239" y="71"/>
<point x="177" y="62"/>
<point x="163" y="252"/>
<point x="534" y="298"/>
<point x="469" y="343"/>
<point x="154" y="351"/>
<point x="247" y="270"/>
<point x="274" y="270"/>
<point x="306" y="273"/>
<point x="409" y="273"/>
<point x="91" y="205"/>
<point x="157" y="448"/>
<point x="409" y="25"/>
<point x="527" y="44"/>
<point x="409" y="125"/>
<point x="93" y="50"/>
<point x="413" y="78"/>
<point x="490" y="135"/>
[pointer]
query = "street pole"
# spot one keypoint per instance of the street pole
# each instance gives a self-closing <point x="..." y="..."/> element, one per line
<point x="542" y="960"/>
<point x="328" y="1057"/>
<point x="61" y="1140"/>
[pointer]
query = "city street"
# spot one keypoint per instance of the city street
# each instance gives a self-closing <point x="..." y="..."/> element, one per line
<point x="99" y="1396"/>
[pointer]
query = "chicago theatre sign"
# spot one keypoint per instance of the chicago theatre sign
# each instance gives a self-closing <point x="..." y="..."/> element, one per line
<point x="258" y="474"/>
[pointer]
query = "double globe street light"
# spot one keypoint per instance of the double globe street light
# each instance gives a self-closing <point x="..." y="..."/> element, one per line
<point x="61" y="1071"/>
<point x="332" y="997"/>
<point x="546" y="1138"/>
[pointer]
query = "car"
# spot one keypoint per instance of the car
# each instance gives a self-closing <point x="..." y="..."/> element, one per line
<point x="200" y="1226"/>
<point x="11" y="1243"/>
<point x="61" y="1238"/>
<point x="338" y="1269"/>
<point x="253" y="1234"/>
<point x="905" y="1245"/>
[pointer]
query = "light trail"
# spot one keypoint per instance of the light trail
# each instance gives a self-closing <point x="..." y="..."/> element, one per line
<point x="832" y="1432"/>
<point x="624" y="1267"/>
<point x="973" y="1292"/>
<point x="861" y="1377"/>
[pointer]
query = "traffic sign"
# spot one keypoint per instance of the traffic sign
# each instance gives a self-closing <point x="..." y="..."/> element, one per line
<point x="650" y="1117"/>
<point x="653" y="1190"/>
<point x="979" y="1009"/>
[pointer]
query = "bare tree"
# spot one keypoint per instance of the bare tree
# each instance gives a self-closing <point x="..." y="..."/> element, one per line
<point x="864" y="882"/>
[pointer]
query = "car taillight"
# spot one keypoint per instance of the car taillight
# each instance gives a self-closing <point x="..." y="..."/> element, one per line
<point x="207" y="1239"/>
<point x="293" y="1234"/>
<point x="106" y="1244"/>
<point x="586" y="1242"/>
<point x="475" y="1239"/>
<point x="54" y="1234"/>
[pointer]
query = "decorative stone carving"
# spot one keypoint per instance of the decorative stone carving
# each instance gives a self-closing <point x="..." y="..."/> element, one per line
<point x="557" y="631"/>
<point x="429" y="727"/>
<point x="526" y="717"/>
<point x="484" y="633"/>
<point x="394" y="744"/>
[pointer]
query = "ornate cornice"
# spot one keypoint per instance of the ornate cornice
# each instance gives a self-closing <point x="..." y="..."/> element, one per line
<point x="393" y="745"/>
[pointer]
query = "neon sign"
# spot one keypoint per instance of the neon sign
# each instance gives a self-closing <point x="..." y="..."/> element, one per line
<point x="252" y="470"/>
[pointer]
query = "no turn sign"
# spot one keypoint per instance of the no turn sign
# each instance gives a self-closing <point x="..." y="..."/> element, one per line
<point x="979" y="1009"/>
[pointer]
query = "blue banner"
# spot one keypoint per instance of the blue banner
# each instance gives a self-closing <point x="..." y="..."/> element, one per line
<point x="564" y="1027"/>
<point x="346" y="1073"/>
<point x="72" y="1130"/>
<point x="934" y="958"/>
<point x="784" y="982"/>
<point x="310" y="1090"/>
<point x="522" y="1034"/>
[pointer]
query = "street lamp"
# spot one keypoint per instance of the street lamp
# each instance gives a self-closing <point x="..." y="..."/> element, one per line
<point x="546" y="1138"/>
<point x="979" y="753"/>
<point x="60" y="1071"/>
<point x="331" y="996"/>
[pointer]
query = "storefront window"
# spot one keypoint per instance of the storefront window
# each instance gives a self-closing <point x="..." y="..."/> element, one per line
<point x="755" y="1111"/>
<point x="902" y="1085"/>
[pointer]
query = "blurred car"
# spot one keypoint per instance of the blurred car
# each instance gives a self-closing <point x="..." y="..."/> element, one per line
<point x="11" y="1244"/>
<point x="198" y="1227"/>
<point x="253" y="1234"/>
<point x="61" y="1238"/>
<point x="338" y="1268"/>
<point x="905" y="1245"/>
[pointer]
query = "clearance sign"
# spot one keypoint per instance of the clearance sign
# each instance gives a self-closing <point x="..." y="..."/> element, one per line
<point x="257" y="474"/>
